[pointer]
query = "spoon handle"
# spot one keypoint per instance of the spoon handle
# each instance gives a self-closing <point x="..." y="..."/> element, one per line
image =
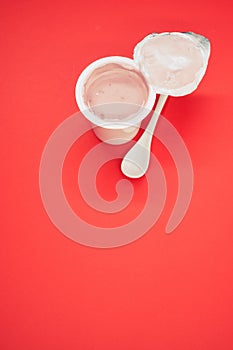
<point x="135" y="163"/>
<point x="153" y="121"/>
<point x="146" y="138"/>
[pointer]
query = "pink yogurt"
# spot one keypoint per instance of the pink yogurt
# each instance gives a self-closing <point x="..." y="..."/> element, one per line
<point x="115" y="96"/>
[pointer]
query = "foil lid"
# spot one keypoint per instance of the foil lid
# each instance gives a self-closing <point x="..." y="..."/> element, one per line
<point x="173" y="63"/>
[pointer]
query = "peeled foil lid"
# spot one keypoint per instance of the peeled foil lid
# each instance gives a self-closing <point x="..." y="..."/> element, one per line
<point x="173" y="63"/>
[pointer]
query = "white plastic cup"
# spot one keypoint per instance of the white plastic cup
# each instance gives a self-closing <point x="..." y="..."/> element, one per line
<point x="114" y="131"/>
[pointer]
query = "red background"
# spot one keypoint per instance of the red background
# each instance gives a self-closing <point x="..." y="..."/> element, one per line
<point x="165" y="292"/>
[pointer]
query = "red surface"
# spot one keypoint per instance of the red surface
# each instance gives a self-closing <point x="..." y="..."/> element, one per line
<point x="160" y="292"/>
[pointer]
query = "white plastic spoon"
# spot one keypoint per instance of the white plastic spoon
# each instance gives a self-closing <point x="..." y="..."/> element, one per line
<point x="136" y="162"/>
